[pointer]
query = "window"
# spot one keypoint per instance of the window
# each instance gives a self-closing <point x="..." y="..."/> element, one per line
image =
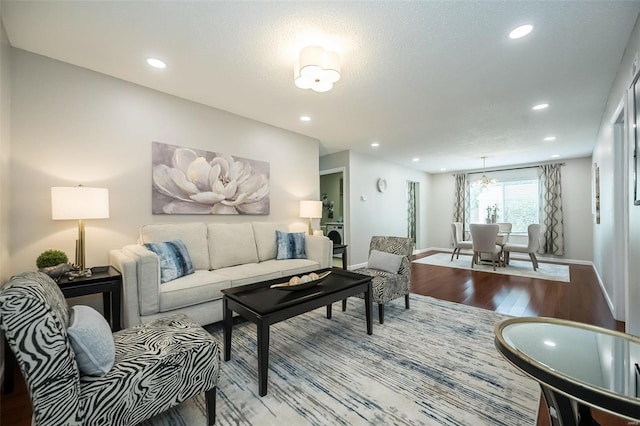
<point x="515" y="196"/>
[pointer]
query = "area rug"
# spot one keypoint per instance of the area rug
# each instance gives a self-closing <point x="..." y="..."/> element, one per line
<point x="434" y="364"/>
<point x="522" y="268"/>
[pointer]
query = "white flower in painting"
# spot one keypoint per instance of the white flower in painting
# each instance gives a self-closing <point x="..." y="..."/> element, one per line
<point x="220" y="186"/>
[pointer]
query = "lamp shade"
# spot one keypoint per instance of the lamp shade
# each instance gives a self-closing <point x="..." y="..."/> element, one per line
<point x="79" y="202"/>
<point x="311" y="209"/>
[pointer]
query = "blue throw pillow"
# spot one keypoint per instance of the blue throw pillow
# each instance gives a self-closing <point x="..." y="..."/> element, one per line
<point x="290" y="245"/>
<point x="174" y="259"/>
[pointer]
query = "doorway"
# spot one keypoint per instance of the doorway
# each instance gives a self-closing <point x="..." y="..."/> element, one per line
<point x="333" y="210"/>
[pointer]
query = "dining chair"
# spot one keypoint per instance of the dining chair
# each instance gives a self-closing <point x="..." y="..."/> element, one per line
<point x="458" y="240"/>
<point x="530" y="248"/>
<point x="483" y="237"/>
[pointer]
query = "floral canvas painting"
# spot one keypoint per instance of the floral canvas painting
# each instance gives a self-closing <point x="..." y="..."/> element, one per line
<point x="195" y="181"/>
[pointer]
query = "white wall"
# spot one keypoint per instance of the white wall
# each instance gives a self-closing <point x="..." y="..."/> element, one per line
<point x="5" y="150"/>
<point x="382" y="213"/>
<point x="576" y="207"/>
<point x="73" y="126"/>
<point x="610" y="260"/>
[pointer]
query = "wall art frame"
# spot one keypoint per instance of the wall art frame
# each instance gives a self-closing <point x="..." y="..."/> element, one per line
<point x="196" y="181"/>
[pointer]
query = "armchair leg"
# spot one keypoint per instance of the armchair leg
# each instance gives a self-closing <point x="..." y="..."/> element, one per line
<point x="210" y="399"/>
<point x="454" y="253"/>
<point x="344" y="305"/>
<point x="381" y="313"/>
<point x="473" y="259"/>
<point x="406" y="301"/>
<point x="534" y="261"/>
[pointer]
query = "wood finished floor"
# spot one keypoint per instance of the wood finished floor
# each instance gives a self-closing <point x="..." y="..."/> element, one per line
<point x="580" y="300"/>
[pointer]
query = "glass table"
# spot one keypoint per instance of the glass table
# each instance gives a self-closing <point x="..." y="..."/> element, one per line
<point x="577" y="366"/>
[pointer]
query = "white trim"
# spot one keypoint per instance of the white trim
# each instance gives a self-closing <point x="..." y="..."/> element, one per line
<point x="525" y="257"/>
<point x="604" y="293"/>
<point x="332" y="171"/>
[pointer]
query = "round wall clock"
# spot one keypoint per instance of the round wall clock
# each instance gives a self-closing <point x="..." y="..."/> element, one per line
<point x="382" y="184"/>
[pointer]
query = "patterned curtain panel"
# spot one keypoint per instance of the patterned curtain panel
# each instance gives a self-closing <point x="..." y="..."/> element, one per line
<point x="412" y="207"/>
<point x="551" y="228"/>
<point x="462" y="203"/>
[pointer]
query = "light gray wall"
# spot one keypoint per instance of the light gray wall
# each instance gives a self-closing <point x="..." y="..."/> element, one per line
<point x="382" y="213"/>
<point x="74" y="126"/>
<point x="576" y="205"/>
<point x="613" y="265"/>
<point x="5" y="150"/>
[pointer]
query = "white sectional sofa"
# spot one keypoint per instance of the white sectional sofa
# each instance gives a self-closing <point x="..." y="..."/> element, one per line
<point x="223" y="255"/>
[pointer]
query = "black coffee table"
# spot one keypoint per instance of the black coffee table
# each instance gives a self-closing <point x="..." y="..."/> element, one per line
<point x="265" y="306"/>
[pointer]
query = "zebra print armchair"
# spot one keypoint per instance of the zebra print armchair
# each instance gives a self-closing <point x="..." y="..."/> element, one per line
<point x="157" y="365"/>
<point x="387" y="286"/>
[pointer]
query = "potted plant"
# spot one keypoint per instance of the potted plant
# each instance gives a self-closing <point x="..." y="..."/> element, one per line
<point x="53" y="263"/>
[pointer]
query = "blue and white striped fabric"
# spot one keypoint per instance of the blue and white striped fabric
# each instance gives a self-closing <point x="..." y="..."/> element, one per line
<point x="290" y="245"/>
<point x="174" y="259"/>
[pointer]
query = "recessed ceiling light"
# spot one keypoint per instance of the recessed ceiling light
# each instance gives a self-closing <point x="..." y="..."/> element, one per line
<point x="156" y="63"/>
<point x="305" y="118"/>
<point x="550" y="343"/>
<point x="555" y="155"/>
<point x="540" y="106"/>
<point x="443" y="169"/>
<point x="521" y="31"/>
<point x="415" y="159"/>
<point x="375" y="144"/>
<point x="550" y="138"/>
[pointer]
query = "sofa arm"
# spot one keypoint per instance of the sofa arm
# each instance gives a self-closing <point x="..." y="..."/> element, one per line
<point x="148" y="274"/>
<point x="319" y="249"/>
<point x="128" y="268"/>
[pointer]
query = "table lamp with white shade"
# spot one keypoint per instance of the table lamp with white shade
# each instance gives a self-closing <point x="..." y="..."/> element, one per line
<point x="79" y="203"/>
<point x="312" y="210"/>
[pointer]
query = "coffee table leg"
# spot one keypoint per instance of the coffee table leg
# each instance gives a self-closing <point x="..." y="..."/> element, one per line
<point x="367" y="306"/>
<point x="329" y="311"/>
<point x="228" y="324"/>
<point x="263" y="356"/>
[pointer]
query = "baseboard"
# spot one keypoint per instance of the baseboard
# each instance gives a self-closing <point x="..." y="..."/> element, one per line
<point x="604" y="292"/>
<point x="522" y="256"/>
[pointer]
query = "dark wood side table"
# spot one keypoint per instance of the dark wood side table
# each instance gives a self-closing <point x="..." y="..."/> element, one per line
<point x="341" y="249"/>
<point x="104" y="279"/>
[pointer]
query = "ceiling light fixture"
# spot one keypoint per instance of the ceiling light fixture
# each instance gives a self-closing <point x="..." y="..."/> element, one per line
<point x="550" y="138"/>
<point x="521" y="31"/>
<point x="555" y="155"/>
<point x="156" y="63"/>
<point x="317" y="69"/>
<point x="305" y="118"/>
<point x="415" y="159"/>
<point x="484" y="181"/>
<point x="375" y="144"/>
<point x="539" y="107"/>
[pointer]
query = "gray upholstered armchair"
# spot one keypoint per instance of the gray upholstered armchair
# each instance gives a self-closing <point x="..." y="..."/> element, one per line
<point x="157" y="365"/>
<point x="389" y="282"/>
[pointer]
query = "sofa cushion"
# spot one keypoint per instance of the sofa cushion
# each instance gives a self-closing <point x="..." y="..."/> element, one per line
<point x="293" y="266"/>
<point x="231" y="244"/>
<point x="91" y="340"/>
<point x="265" y="236"/>
<point x="193" y="235"/>
<point x="199" y="287"/>
<point x="251" y="273"/>
<point x="291" y="245"/>
<point x="174" y="259"/>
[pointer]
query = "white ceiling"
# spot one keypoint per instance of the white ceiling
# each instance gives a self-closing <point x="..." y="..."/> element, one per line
<point x="438" y="80"/>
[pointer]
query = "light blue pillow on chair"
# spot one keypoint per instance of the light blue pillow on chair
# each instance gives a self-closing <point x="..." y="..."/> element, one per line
<point x="290" y="245"/>
<point x="91" y="340"/>
<point x="175" y="261"/>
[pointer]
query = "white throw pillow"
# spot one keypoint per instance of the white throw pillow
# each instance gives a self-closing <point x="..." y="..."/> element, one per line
<point x="383" y="261"/>
<point x="265" y="235"/>
<point x="91" y="340"/>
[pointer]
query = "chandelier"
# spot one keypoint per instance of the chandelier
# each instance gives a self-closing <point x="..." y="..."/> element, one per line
<point x="317" y="69"/>
<point x="484" y="181"/>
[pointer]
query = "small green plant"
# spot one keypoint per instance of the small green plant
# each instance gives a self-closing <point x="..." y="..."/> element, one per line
<point x="51" y="258"/>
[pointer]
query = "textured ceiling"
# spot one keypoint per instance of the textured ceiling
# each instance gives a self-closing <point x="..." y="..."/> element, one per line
<point x="436" y="80"/>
